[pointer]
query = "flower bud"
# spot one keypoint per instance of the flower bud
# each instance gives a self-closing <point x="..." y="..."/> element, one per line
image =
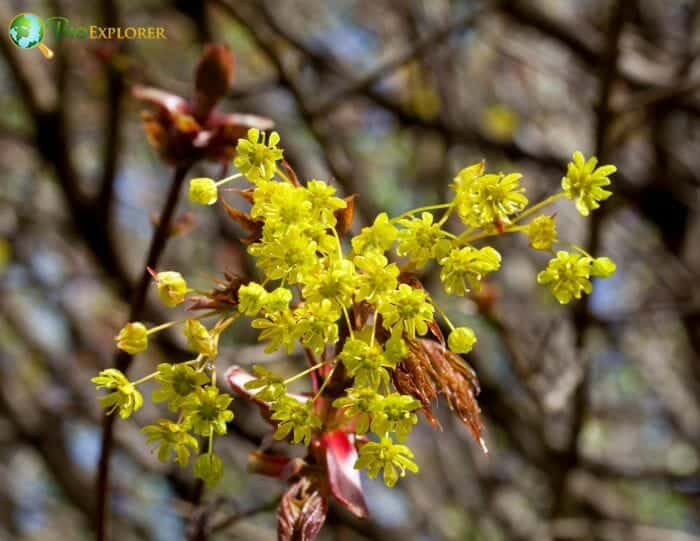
<point x="199" y="339"/>
<point x="542" y="232"/>
<point x="203" y="191"/>
<point x="213" y="78"/>
<point x="251" y="298"/>
<point x="133" y="338"/>
<point x="395" y="348"/>
<point x="602" y="267"/>
<point x="461" y="340"/>
<point x="278" y="300"/>
<point x="172" y="288"/>
<point x="209" y="468"/>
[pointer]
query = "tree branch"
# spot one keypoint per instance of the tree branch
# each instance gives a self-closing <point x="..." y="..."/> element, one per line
<point x="122" y="360"/>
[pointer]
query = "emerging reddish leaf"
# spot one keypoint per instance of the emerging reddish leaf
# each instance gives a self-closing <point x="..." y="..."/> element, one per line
<point x="171" y="103"/>
<point x="237" y="377"/>
<point x="302" y="512"/>
<point x="185" y="131"/>
<point x="279" y="466"/>
<point x="343" y="478"/>
<point x="224" y="131"/>
<point x="213" y="79"/>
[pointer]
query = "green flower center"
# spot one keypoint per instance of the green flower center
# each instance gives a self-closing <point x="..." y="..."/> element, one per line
<point x="209" y="411"/>
<point x="183" y="385"/>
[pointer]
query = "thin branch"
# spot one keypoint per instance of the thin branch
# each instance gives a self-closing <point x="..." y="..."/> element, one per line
<point x="112" y="123"/>
<point x="569" y="457"/>
<point x="263" y="39"/>
<point x="122" y="360"/>
<point x="419" y="48"/>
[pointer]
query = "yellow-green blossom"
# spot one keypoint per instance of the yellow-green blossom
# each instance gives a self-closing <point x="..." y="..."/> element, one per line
<point x="210" y="468"/>
<point x="603" y="267"/>
<point x="377" y="237"/>
<point x="206" y="411"/>
<point x="584" y="182"/>
<point x="177" y="382"/>
<point x="406" y="309"/>
<point x="257" y="159"/>
<point x="251" y="298"/>
<point x="271" y="386"/>
<point x="279" y="328"/>
<point x="567" y="276"/>
<point x="316" y="325"/>
<point x="464" y="268"/>
<point x="461" y="340"/>
<point x="485" y="199"/>
<point x="171" y="438"/>
<point x="172" y="288"/>
<point x="386" y="455"/>
<point x="378" y="276"/>
<point x="289" y="255"/>
<point x="203" y="191"/>
<point x="323" y="202"/>
<point x="199" y="339"/>
<point x="334" y="281"/>
<point x="124" y="397"/>
<point x="284" y="207"/>
<point x="394" y="413"/>
<point x="277" y="300"/>
<point x="422" y="240"/>
<point x="133" y="338"/>
<point x="542" y="232"/>
<point x="366" y="364"/>
<point x="358" y="403"/>
<point x="295" y="417"/>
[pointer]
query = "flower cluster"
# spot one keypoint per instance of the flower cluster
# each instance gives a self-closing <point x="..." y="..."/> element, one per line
<point x="187" y="388"/>
<point x="354" y="306"/>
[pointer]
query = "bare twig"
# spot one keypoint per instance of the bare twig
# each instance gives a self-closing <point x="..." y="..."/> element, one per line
<point x="122" y="360"/>
<point x="569" y="457"/>
<point x="419" y="48"/>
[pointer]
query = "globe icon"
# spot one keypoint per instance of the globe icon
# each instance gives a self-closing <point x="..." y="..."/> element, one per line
<point x="26" y="30"/>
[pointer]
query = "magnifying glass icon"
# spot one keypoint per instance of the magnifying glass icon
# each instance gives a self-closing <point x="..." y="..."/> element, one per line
<point x="27" y="31"/>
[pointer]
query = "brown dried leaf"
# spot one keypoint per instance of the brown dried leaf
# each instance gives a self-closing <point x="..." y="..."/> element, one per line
<point x="345" y="216"/>
<point x="246" y="194"/>
<point x="223" y="296"/>
<point x="291" y="173"/>
<point x="252" y="225"/>
<point x="410" y="278"/>
<point x="411" y="378"/>
<point x="431" y="369"/>
<point x="436" y="331"/>
<point x="302" y="512"/>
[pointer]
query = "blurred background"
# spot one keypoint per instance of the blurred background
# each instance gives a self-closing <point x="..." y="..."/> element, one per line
<point x="592" y="411"/>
